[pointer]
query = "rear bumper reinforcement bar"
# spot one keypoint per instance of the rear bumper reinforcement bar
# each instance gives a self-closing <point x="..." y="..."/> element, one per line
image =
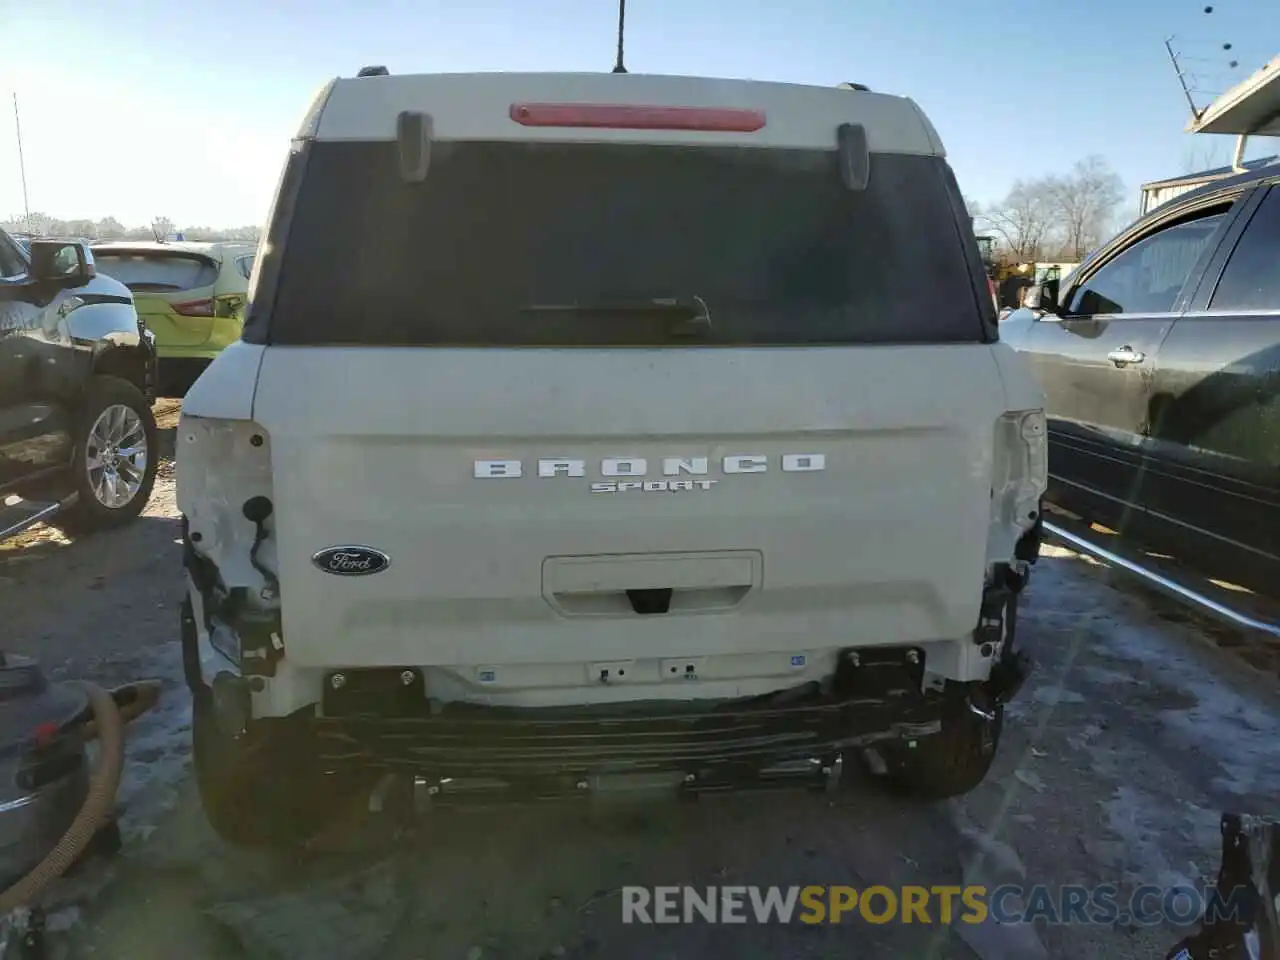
<point x="560" y="750"/>
<point x="1164" y="584"/>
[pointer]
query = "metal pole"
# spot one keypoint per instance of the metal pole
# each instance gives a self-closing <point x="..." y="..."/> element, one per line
<point x="622" y="24"/>
<point x="22" y="166"/>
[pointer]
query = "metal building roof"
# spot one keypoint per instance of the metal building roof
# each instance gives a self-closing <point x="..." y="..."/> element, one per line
<point x="1250" y="107"/>
<point x="1204" y="176"/>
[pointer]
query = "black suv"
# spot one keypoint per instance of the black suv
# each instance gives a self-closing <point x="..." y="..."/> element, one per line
<point x="76" y="384"/>
<point x="1160" y="360"/>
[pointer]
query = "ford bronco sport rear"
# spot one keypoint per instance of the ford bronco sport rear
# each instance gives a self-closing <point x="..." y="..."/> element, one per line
<point x="605" y="430"/>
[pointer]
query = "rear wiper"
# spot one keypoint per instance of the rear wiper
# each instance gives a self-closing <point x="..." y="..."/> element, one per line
<point x="688" y="315"/>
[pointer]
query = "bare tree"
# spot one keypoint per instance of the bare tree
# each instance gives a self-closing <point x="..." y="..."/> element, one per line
<point x="1059" y="217"/>
<point x="109" y="228"/>
<point x="41" y="224"/>
<point x="1207" y="158"/>
<point x="86" y="229"/>
<point x="250" y="234"/>
<point x="1023" y="220"/>
<point x="1084" y="203"/>
<point x="161" y="227"/>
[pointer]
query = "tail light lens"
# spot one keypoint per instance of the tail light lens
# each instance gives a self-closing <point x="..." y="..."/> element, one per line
<point x="194" y="308"/>
<point x="635" y="117"/>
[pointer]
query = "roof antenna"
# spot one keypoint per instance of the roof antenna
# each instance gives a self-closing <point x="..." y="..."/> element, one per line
<point x="1182" y="77"/>
<point x="622" y="20"/>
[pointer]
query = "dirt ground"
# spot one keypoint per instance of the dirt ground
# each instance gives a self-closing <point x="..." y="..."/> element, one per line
<point x="1133" y="735"/>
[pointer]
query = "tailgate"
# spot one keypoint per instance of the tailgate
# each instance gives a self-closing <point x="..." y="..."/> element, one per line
<point x="796" y="498"/>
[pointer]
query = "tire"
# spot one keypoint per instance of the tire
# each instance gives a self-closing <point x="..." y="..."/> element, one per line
<point x="114" y="411"/>
<point x="260" y="790"/>
<point x="952" y="762"/>
<point x="176" y="376"/>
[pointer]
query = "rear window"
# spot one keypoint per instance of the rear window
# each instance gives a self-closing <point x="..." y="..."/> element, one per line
<point x="157" y="272"/>
<point x="535" y="244"/>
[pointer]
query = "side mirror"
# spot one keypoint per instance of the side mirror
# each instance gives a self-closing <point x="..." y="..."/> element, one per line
<point x="61" y="263"/>
<point x="1042" y="296"/>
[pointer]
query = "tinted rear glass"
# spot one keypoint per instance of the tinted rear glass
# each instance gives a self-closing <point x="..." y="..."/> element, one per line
<point x="769" y="240"/>
<point x="157" y="273"/>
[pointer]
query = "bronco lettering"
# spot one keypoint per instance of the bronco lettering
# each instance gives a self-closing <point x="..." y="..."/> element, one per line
<point x="638" y="467"/>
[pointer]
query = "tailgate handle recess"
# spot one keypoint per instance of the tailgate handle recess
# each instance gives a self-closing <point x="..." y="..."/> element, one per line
<point x="650" y="600"/>
<point x="648" y="584"/>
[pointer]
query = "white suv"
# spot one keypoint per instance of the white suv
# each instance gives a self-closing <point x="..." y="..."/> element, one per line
<point x="593" y="431"/>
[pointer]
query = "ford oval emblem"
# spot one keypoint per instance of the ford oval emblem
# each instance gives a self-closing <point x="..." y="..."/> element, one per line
<point x="351" y="560"/>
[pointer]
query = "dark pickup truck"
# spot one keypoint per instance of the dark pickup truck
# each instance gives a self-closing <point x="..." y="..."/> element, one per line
<point x="77" y="374"/>
<point x="1160" y="360"/>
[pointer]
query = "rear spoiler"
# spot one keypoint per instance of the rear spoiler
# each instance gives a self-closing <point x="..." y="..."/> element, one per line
<point x="153" y="252"/>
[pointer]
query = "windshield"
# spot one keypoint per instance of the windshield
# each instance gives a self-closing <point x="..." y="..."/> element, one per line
<point x="770" y="240"/>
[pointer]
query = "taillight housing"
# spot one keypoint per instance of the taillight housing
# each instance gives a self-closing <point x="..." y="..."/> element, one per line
<point x="221" y="466"/>
<point x="1019" y="477"/>
<point x="1021" y="467"/>
<point x="194" y="308"/>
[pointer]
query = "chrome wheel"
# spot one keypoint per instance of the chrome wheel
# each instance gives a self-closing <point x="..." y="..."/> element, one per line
<point x="116" y="456"/>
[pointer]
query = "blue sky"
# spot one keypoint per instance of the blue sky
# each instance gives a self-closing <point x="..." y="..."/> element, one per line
<point x="141" y="108"/>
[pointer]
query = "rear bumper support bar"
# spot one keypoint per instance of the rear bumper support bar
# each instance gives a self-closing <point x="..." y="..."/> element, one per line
<point x="803" y="734"/>
<point x="529" y="745"/>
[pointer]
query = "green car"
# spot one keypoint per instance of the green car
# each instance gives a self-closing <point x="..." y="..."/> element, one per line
<point x="190" y="295"/>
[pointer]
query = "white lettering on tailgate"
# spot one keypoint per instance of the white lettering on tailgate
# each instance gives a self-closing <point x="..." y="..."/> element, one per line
<point x="803" y="462"/>
<point x="555" y="468"/>
<point x="745" y="464"/>
<point x="674" y="466"/>
<point x="651" y="486"/>
<point x="635" y="470"/>
<point x="497" y="468"/>
<point x="624" y="467"/>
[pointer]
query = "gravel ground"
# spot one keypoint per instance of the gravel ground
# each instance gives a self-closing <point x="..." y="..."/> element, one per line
<point x="1132" y="737"/>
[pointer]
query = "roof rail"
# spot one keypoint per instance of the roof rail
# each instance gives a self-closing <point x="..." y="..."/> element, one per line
<point x="854" y="86"/>
<point x="374" y="72"/>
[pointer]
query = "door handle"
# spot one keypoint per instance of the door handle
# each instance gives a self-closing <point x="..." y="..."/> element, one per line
<point x="1126" y="355"/>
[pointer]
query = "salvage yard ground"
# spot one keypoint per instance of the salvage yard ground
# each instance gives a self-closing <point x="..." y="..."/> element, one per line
<point x="1130" y="739"/>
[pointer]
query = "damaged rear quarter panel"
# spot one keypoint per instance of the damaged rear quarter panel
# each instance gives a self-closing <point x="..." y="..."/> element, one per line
<point x="221" y="464"/>
<point x="223" y="459"/>
<point x="1020" y="463"/>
